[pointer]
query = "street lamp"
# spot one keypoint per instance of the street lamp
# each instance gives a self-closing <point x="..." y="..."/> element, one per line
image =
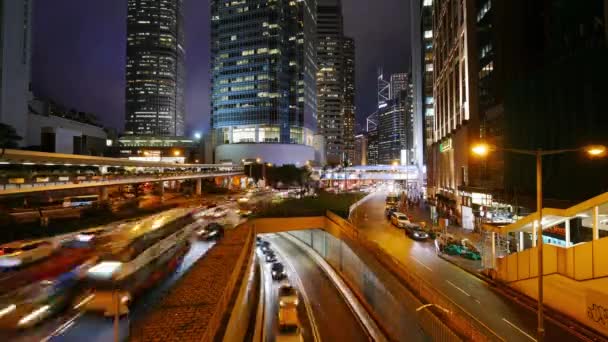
<point x="593" y="151"/>
<point x="177" y="153"/>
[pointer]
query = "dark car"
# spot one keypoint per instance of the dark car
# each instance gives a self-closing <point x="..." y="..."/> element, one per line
<point x="389" y="211"/>
<point x="278" y="271"/>
<point x="415" y="232"/>
<point x="270" y="257"/>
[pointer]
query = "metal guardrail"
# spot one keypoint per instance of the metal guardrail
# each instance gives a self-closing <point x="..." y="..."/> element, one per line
<point x="10" y="189"/>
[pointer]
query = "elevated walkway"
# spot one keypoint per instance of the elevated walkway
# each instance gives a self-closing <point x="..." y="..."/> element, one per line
<point x="575" y="260"/>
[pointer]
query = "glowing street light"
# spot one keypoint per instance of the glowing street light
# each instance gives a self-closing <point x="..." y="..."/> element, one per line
<point x="481" y="149"/>
<point x="198" y="135"/>
<point x="596" y="150"/>
<point x="177" y="153"/>
<point x="258" y="160"/>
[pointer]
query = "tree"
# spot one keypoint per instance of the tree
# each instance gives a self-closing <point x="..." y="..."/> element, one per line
<point x="8" y="137"/>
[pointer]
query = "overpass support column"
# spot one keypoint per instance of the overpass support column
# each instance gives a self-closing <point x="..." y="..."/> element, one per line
<point x="177" y="186"/>
<point x="161" y="190"/>
<point x="103" y="193"/>
<point x="199" y="187"/>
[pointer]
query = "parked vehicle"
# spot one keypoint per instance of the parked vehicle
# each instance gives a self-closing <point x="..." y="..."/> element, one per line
<point x="415" y="232"/>
<point x="400" y="219"/>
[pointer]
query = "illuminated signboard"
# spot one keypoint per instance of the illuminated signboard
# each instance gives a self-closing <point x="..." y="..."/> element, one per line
<point x="445" y="146"/>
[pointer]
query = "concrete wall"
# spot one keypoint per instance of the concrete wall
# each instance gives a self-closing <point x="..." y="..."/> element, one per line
<point x="585" y="261"/>
<point x="278" y="154"/>
<point x="64" y="129"/>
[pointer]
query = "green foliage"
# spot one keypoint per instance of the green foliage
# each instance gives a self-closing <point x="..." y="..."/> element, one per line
<point x="312" y="206"/>
<point x="287" y="175"/>
<point x="8" y="136"/>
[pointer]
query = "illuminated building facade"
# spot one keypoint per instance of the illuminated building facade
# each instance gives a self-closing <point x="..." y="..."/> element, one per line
<point x="263" y="78"/>
<point x="155" y="68"/>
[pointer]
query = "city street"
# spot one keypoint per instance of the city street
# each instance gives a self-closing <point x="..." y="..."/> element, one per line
<point x="508" y="320"/>
<point x="77" y="325"/>
<point x="322" y="307"/>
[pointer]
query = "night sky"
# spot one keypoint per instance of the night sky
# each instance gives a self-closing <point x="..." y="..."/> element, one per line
<point x="79" y="53"/>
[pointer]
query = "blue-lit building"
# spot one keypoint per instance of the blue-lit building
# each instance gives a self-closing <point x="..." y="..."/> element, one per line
<point x="263" y="101"/>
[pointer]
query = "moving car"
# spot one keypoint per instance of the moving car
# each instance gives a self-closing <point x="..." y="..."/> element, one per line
<point x="289" y="325"/>
<point x="211" y="231"/>
<point x="415" y="232"/>
<point x="219" y="212"/>
<point x="400" y="219"/>
<point x="288" y="295"/>
<point x="243" y="212"/>
<point x="21" y="253"/>
<point x="270" y="257"/>
<point x="278" y="271"/>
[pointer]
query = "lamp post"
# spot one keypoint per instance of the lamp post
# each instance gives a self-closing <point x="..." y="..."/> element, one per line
<point x="593" y="151"/>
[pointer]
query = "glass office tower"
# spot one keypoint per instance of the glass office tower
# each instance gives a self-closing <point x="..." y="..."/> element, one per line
<point x="155" y="68"/>
<point x="263" y="86"/>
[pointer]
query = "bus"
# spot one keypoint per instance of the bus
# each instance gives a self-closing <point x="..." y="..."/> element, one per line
<point x="134" y="257"/>
<point x="80" y="201"/>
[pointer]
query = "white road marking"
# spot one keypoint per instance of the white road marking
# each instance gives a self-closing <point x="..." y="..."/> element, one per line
<point x="306" y="300"/>
<point x="518" y="329"/>
<point x="423" y="265"/>
<point x="458" y="288"/>
<point x="477" y="300"/>
<point x="65" y="326"/>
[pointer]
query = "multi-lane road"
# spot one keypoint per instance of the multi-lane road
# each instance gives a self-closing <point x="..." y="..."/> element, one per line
<point x="508" y="320"/>
<point x="323" y="311"/>
<point x="76" y="325"/>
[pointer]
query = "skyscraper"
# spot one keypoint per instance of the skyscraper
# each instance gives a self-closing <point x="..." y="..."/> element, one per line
<point x="348" y="102"/>
<point x="330" y="78"/>
<point x="155" y="68"/>
<point x="395" y="121"/>
<point x="15" y="57"/>
<point x="399" y="84"/>
<point x="422" y="80"/>
<point x="263" y="89"/>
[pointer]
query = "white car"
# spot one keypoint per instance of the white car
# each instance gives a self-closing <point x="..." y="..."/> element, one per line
<point x="288" y="295"/>
<point x="400" y="220"/>
<point x="20" y="253"/>
<point x="219" y="212"/>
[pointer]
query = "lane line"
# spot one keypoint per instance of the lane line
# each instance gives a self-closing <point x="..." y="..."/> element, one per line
<point x="518" y="329"/>
<point x="420" y="262"/>
<point x="62" y="328"/>
<point x="458" y="288"/>
<point x="306" y="300"/>
<point x="364" y="319"/>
